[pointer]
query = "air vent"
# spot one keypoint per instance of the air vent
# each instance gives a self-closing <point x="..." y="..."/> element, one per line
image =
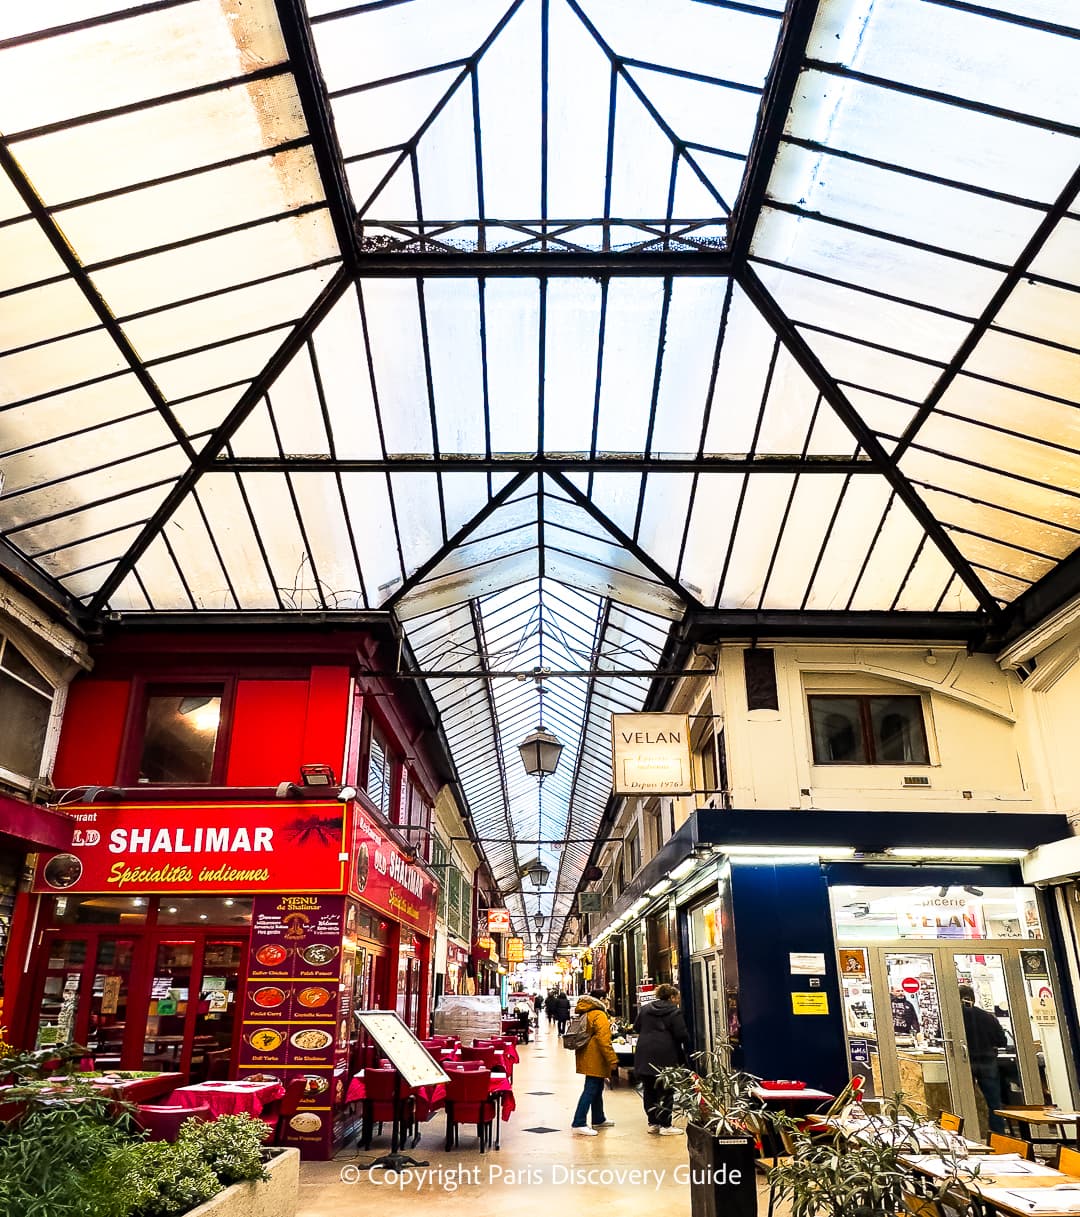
<point x="916" y="781"/>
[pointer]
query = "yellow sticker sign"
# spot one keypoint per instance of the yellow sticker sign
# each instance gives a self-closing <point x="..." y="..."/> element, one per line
<point x="810" y="1003"/>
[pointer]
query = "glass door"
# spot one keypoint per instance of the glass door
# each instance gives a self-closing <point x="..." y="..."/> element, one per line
<point x="170" y="1015"/>
<point x="917" y="1031"/>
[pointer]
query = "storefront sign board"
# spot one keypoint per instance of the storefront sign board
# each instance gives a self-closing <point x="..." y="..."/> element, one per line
<point x="651" y="754"/>
<point x="201" y="847"/>
<point x="385" y="878"/>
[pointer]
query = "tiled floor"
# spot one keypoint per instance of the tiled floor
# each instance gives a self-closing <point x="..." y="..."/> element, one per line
<point x="540" y="1165"/>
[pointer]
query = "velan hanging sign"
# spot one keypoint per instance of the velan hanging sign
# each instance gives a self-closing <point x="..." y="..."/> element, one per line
<point x="651" y="754"/>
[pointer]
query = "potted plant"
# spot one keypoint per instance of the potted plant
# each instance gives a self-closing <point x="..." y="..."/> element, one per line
<point x="722" y="1123"/>
<point x="854" y="1168"/>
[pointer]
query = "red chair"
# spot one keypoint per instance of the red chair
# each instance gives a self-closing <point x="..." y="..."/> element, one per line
<point x="468" y="1102"/>
<point x="491" y="1057"/>
<point x="381" y="1086"/>
<point x="280" y="1111"/>
<point x="462" y="1066"/>
<point x="162" y="1121"/>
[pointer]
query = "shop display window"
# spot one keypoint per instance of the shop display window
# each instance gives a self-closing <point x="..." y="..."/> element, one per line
<point x="864" y="914"/>
<point x="204" y="910"/>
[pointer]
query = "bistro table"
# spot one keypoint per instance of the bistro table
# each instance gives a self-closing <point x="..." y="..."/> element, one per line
<point x="1004" y="1182"/>
<point x="230" y="1098"/>
<point x="1023" y="1120"/>
<point x="783" y="1099"/>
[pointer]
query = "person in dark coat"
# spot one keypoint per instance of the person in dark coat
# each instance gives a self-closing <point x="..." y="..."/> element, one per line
<point x="549" y="1005"/>
<point x="561" y="1009"/>
<point x="662" y="1041"/>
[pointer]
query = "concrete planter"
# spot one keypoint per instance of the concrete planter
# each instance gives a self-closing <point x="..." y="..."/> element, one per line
<point x="274" y="1198"/>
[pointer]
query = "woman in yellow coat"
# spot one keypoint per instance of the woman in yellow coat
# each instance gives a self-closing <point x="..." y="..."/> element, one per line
<point x="596" y="1060"/>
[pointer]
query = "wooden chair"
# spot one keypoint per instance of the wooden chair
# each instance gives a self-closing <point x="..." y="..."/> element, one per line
<point x="921" y="1206"/>
<point x="951" y="1123"/>
<point x="1001" y="1144"/>
<point x="1069" y="1161"/>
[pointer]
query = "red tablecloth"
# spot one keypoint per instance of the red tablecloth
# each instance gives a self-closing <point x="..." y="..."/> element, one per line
<point x="229" y="1098"/>
<point x="430" y="1099"/>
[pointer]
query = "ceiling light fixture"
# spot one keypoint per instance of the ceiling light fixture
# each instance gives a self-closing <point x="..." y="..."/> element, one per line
<point x="540" y="752"/>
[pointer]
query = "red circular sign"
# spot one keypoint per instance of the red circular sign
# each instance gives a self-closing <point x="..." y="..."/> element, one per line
<point x="909" y="984"/>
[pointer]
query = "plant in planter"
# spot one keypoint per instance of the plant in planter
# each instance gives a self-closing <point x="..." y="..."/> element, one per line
<point x="722" y="1123"/>
<point x="855" y="1168"/>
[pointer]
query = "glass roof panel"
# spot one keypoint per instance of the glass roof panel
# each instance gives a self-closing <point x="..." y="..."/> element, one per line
<point x="169" y="138"/>
<point x="26" y="255"/>
<point x="45" y="312"/>
<point x="918" y="44"/>
<point x="957" y="144"/>
<point x="135" y="60"/>
<point x="221" y="497"/>
<point x="34" y="370"/>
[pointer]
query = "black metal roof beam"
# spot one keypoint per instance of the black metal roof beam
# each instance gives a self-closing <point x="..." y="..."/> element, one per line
<point x="452" y="543"/>
<point x="558" y="263"/>
<point x="783" y="76"/>
<point x="996" y="302"/>
<point x="810" y="364"/>
<point x="627" y="542"/>
<point x="206" y="458"/>
<point x="456" y="463"/>
<point x="1054" y="590"/>
<point x="82" y="281"/>
<point x="312" y="89"/>
<point x="897" y="626"/>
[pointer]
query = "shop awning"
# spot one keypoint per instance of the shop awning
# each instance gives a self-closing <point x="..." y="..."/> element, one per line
<point x="35" y="827"/>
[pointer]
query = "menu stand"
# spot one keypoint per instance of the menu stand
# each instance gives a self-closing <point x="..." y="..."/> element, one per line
<point x="410" y="1060"/>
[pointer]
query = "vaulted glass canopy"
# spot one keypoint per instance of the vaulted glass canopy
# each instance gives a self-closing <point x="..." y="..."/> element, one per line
<point x="543" y="325"/>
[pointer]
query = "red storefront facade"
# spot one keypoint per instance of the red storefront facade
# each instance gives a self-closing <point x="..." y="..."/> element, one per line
<point x="232" y="927"/>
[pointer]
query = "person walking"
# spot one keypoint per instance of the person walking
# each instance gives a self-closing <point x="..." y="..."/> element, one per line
<point x="549" y="1005"/>
<point x="596" y="1060"/>
<point x="561" y="1010"/>
<point x="662" y="1041"/>
<point x="538" y="1005"/>
<point x="985" y="1035"/>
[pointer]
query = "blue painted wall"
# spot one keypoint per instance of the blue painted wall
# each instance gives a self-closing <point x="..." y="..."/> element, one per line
<point x="780" y="908"/>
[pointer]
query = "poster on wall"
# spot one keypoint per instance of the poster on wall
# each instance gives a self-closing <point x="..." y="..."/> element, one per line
<point x="205" y="847"/>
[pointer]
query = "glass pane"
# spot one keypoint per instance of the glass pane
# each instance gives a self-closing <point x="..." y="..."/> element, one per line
<point x="180" y="738"/>
<point x="205" y="910"/>
<point x="836" y="730"/>
<point x="1045" y="1029"/>
<point x="897" y="728"/>
<point x="108" y="1000"/>
<point x="990" y="1038"/>
<point x="20" y="751"/>
<point x="60" y="996"/>
<point x="216" y="1010"/>
<point x="170" y="992"/>
<point x="920" y="1038"/>
<point x="862" y="1040"/>
<point x="98" y="910"/>
<point x="18" y="665"/>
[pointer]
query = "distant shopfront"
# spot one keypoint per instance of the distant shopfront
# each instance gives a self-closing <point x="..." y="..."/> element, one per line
<point x="230" y="939"/>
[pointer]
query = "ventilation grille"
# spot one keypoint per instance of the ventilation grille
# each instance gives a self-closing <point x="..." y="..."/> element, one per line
<point x="916" y="781"/>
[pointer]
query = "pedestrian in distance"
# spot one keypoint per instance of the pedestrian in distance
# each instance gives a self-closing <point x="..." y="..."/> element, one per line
<point x="662" y="1042"/>
<point x="549" y="1005"/>
<point x="561" y="1010"/>
<point x="538" y="1005"/>
<point x="595" y="1058"/>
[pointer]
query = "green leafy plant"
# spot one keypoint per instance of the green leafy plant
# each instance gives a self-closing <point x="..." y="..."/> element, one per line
<point x="54" y="1157"/>
<point x="854" y="1168"/>
<point x="714" y="1096"/>
<point x="161" y="1178"/>
<point x="230" y="1146"/>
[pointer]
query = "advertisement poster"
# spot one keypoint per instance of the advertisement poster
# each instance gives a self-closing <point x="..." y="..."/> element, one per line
<point x="139" y="848"/>
<point x="293" y="1024"/>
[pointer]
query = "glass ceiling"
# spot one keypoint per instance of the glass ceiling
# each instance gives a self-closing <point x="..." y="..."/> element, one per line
<point x="600" y="314"/>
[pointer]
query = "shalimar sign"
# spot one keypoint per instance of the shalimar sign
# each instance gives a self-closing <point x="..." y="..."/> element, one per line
<point x="651" y="754"/>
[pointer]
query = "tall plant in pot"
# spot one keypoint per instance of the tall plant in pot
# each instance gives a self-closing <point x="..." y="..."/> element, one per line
<point x="855" y="1167"/>
<point x="723" y="1119"/>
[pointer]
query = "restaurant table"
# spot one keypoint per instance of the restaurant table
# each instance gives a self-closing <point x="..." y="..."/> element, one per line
<point x="1023" y="1119"/>
<point x="230" y="1098"/>
<point x="926" y="1137"/>
<point x="1004" y="1182"/>
<point x="783" y="1100"/>
<point x="430" y="1099"/>
<point x="122" y="1090"/>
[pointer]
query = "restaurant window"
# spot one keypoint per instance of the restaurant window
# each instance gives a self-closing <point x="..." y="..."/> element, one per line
<point x="379" y="767"/>
<point x="654" y="829"/>
<point x="414" y="816"/>
<point x="703" y="748"/>
<point x="26" y="699"/>
<point x="851" y="730"/>
<point x="181" y="736"/>
<point x="440" y="864"/>
<point x="464" y="926"/>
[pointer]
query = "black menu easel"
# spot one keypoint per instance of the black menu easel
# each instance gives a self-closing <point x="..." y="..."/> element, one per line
<point x="412" y="1063"/>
